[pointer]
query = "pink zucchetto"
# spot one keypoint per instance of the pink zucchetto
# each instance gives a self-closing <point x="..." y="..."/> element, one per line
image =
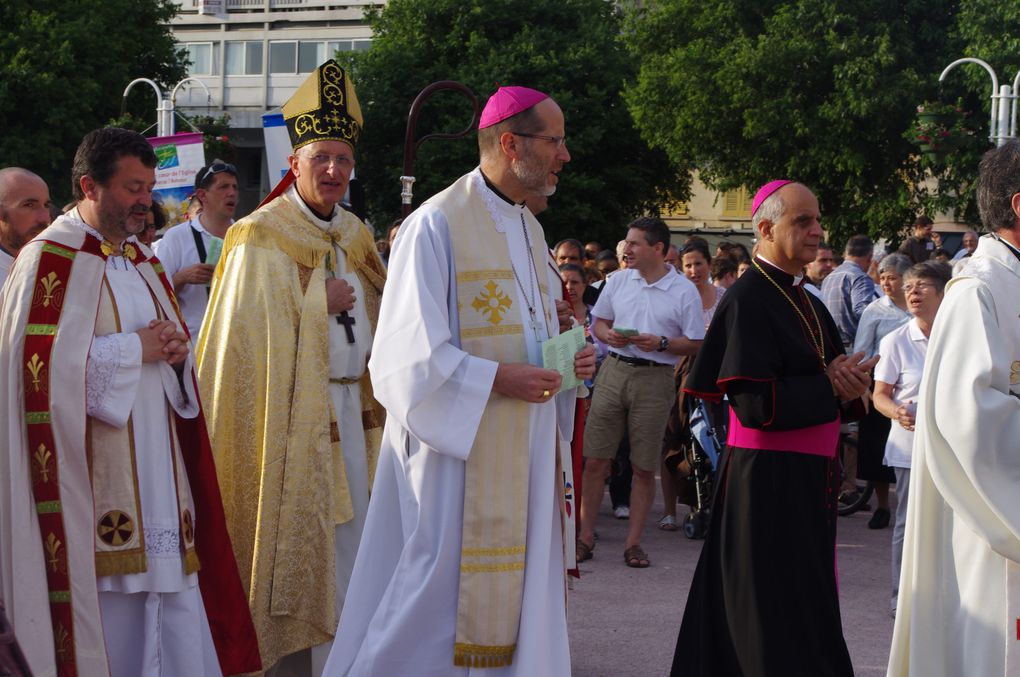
<point x="507" y="102"/>
<point x="766" y="190"/>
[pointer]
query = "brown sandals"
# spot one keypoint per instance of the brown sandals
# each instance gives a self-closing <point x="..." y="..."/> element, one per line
<point x="584" y="551"/>
<point x="636" y="558"/>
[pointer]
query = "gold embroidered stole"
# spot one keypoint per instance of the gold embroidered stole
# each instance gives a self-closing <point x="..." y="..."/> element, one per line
<point x="496" y="477"/>
<point x="112" y="458"/>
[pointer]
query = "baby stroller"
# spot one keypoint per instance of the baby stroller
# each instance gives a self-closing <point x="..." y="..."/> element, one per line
<point x="695" y="461"/>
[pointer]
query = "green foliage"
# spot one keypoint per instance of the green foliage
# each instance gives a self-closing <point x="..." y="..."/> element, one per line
<point x="63" y="69"/>
<point x="570" y="48"/>
<point x="216" y="141"/>
<point x="820" y="91"/>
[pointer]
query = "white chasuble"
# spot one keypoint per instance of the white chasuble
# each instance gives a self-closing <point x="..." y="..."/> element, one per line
<point x="959" y="597"/>
<point x="400" y="614"/>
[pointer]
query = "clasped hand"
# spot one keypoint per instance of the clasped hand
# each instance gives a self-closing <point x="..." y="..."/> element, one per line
<point x="339" y="296"/>
<point x="162" y="340"/>
<point x="850" y="377"/>
<point x="534" y="384"/>
<point x="646" y="342"/>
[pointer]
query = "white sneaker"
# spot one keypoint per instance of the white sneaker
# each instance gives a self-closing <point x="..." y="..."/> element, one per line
<point x="621" y="512"/>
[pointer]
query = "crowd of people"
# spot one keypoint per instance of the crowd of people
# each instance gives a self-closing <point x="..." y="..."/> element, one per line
<point x="280" y="445"/>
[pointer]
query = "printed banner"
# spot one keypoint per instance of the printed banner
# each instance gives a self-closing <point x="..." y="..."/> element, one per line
<point x="179" y="157"/>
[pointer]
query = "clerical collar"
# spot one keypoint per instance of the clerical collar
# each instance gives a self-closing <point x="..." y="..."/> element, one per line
<point x="792" y="280"/>
<point x="1010" y="247"/>
<point x="497" y="191"/>
<point x="328" y="218"/>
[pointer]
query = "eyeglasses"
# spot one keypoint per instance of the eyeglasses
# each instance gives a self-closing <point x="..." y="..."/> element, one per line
<point x="214" y="168"/>
<point x="560" y="141"/>
<point x="919" y="286"/>
<point x="323" y="160"/>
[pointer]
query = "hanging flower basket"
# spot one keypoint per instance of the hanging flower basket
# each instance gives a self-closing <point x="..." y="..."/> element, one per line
<point x="939" y="129"/>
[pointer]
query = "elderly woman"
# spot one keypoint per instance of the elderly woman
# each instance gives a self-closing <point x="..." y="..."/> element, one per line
<point x="877" y="320"/>
<point x="897" y="382"/>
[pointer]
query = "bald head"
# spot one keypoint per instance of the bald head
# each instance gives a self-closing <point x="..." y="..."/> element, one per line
<point x="24" y="207"/>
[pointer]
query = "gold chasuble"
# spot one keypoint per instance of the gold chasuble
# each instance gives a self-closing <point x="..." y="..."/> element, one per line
<point x="496" y="477"/>
<point x="264" y="372"/>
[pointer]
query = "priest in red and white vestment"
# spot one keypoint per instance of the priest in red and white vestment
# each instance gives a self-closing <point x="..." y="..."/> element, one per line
<point x="114" y="556"/>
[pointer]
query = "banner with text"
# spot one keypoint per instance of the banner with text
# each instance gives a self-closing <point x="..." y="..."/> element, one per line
<point x="179" y="157"/>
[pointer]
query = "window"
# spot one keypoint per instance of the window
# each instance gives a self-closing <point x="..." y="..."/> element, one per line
<point x="200" y="54"/>
<point x="335" y="46"/>
<point x="310" y="56"/>
<point x="283" y="57"/>
<point x="736" y="203"/>
<point x="244" y="58"/>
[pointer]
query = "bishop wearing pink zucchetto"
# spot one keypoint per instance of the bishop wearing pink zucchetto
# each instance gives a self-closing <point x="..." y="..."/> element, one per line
<point x="462" y="562"/>
<point x="764" y="598"/>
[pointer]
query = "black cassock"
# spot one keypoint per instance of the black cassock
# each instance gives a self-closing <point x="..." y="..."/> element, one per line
<point x="764" y="597"/>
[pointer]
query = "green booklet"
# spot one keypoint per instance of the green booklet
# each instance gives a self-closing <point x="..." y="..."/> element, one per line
<point x="558" y="353"/>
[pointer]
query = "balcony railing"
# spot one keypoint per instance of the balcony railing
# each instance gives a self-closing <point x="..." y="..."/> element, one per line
<point x="218" y="5"/>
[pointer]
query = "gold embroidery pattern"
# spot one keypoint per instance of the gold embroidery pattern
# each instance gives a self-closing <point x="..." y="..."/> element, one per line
<point x="43" y="458"/>
<point x="56" y="555"/>
<point x="61" y="642"/>
<point x="115" y="528"/>
<point x="51" y="292"/>
<point x="1014" y="373"/>
<point x="492" y="302"/>
<point x="189" y="527"/>
<point x="37" y="368"/>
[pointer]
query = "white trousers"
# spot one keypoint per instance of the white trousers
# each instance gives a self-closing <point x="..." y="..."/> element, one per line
<point x="899" y="528"/>
<point x="158" y="634"/>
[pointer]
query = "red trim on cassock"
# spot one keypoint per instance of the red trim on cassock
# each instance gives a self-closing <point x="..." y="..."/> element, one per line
<point x="711" y="397"/>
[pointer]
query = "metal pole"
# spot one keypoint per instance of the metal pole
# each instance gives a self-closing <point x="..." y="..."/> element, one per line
<point x="411" y="146"/>
<point x="160" y="103"/>
<point x="1005" y="103"/>
<point x="1012" y="106"/>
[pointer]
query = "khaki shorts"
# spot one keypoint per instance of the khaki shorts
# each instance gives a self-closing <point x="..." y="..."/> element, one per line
<point x="632" y="398"/>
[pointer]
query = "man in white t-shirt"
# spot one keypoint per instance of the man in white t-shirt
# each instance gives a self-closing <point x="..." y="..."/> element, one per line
<point x="188" y="251"/>
<point x="649" y="315"/>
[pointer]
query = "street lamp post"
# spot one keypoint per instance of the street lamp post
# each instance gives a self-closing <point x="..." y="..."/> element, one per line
<point x="164" y="104"/>
<point x="1002" y="120"/>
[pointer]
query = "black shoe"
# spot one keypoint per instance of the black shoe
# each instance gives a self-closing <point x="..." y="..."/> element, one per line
<point x="879" y="520"/>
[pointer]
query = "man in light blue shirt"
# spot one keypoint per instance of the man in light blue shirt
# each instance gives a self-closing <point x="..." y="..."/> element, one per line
<point x="848" y="290"/>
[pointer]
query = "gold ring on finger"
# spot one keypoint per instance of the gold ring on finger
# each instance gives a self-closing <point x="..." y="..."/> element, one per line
<point x="545" y="393"/>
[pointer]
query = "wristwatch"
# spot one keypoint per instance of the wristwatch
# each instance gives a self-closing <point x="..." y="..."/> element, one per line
<point x="663" y="344"/>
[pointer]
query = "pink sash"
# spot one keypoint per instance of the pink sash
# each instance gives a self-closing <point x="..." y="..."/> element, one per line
<point x="819" y="440"/>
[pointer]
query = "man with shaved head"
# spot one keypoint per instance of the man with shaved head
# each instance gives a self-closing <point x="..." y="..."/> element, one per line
<point x="24" y="213"/>
<point x="764" y="599"/>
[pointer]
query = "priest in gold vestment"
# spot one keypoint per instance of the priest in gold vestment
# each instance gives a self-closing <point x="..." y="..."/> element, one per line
<point x="282" y="368"/>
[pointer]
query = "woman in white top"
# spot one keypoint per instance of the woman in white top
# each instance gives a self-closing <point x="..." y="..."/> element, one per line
<point x="878" y="319"/>
<point x="898" y="380"/>
<point x="695" y="265"/>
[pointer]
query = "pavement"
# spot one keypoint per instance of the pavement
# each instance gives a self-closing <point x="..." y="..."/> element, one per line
<point x="625" y="621"/>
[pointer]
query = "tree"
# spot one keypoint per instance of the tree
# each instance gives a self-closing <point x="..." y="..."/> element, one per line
<point x="63" y="69"/>
<point x="569" y="48"/>
<point x="820" y="91"/>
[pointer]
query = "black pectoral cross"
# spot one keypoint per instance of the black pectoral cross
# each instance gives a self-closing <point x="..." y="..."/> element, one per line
<point x="348" y="322"/>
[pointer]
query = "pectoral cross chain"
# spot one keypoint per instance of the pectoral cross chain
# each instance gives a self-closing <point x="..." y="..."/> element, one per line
<point x="348" y="322"/>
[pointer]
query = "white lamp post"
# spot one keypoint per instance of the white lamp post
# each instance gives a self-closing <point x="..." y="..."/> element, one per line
<point x="1002" y="122"/>
<point x="165" y="104"/>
